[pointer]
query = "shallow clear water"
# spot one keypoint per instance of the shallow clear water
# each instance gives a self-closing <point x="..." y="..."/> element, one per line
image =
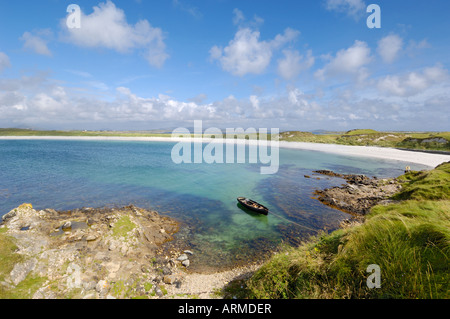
<point x="72" y="174"/>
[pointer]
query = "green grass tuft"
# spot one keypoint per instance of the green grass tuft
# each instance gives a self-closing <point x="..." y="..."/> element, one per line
<point x="123" y="226"/>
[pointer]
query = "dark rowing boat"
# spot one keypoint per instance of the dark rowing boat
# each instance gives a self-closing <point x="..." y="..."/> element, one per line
<point x="252" y="205"/>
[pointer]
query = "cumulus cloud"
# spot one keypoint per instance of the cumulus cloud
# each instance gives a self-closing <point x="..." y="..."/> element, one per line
<point x="404" y="101"/>
<point x="246" y="53"/>
<point x="389" y="47"/>
<point x="238" y="16"/>
<point x="353" y="8"/>
<point x="348" y="61"/>
<point x="35" y="44"/>
<point x="4" y="62"/>
<point x="107" y="27"/>
<point x="38" y="99"/>
<point x="412" y="83"/>
<point x="293" y="63"/>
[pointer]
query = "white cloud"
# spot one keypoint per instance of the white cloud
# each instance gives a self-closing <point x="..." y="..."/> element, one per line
<point x="4" y="61"/>
<point x="246" y="53"/>
<point x="238" y="17"/>
<point x="254" y="101"/>
<point x="412" y="83"/>
<point x="407" y="101"/>
<point x="353" y="8"/>
<point x="240" y="20"/>
<point x="348" y="61"/>
<point x="107" y="27"/>
<point x="37" y="43"/>
<point x="389" y="47"/>
<point x="183" y="6"/>
<point x="293" y="63"/>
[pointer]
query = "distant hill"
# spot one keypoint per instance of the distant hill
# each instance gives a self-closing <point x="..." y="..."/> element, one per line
<point x="437" y="141"/>
<point x="360" y="132"/>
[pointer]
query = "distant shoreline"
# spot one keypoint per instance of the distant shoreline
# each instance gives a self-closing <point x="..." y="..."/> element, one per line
<point x="409" y="156"/>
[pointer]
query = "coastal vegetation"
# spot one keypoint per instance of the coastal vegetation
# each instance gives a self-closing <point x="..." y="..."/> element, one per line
<point x="409" y="239"/>
<point x="439" y="141"/>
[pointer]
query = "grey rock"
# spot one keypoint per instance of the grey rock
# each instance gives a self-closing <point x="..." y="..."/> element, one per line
<point x="158" y="291"/>
<point x="102" y="287"/>
<point x="166" y="271"/>
<point x="170" y="279"/>
<point x="186" y="263"/>
<point x="9" y="215"/>
<point x="67" y="225"/>
<point x="91" y="237"/>
<point x="182" y="257"/>
<point x="21" y="270"/>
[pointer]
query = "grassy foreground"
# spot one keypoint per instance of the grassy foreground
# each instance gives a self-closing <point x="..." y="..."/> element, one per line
<point x="409" y="240"/>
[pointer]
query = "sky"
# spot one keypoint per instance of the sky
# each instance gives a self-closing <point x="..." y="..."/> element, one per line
<point x="160" y="64"/>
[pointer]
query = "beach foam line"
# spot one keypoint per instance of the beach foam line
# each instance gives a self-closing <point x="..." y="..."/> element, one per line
<point x="427" y="159"/>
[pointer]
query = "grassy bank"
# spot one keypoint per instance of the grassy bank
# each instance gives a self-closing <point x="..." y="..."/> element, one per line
<point x="409" y="140"/>
<point x="409" y="240"/>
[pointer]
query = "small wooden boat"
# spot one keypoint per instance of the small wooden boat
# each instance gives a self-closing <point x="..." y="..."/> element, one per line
<point x="252" y="205"/>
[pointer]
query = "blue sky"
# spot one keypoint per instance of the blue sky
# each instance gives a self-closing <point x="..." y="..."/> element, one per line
<point x="292" y="65"/>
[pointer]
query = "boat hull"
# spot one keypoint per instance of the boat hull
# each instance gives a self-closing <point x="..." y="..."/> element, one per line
<point x="253" y="206"/>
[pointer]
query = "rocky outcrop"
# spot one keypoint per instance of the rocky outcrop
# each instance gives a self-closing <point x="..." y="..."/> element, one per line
<point x="359" y="194"/>
<point x="92" y="253"/>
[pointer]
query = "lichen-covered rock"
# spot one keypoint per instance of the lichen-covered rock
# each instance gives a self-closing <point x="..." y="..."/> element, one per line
<point x="87" y="252"/>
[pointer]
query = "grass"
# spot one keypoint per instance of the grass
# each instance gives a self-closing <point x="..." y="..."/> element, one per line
<point x="8" y="258"/>
<point x="123" y="226"/>
<point x="409" y="240"/>
<point x="431" y="185"/>
<point x="367" y="137"/>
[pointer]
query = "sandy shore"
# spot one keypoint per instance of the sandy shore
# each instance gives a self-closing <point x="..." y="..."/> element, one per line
<point x="428" y="159"/>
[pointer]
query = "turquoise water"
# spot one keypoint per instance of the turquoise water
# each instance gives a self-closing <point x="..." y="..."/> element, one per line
<point x="66" y="175"/>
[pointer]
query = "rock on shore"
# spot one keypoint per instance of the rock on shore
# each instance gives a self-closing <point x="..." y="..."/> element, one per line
<point x="90" y="253"/>
<point x="359" y="194"/>
<point x="104" y="253"/>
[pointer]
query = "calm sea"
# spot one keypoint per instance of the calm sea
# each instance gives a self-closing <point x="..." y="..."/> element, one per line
<point x="66" y="175"/>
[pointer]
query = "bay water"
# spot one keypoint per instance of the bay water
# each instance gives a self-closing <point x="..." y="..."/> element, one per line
<point x="66" y="175"/>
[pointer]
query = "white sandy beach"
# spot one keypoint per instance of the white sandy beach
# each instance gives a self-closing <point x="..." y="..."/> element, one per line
<point x="428" y="159"/>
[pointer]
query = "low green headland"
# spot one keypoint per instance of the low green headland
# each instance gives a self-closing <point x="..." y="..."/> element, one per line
<point x="409" y="239"/>
<point x="435" y="141"/>
<point x="30" y="132"/>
